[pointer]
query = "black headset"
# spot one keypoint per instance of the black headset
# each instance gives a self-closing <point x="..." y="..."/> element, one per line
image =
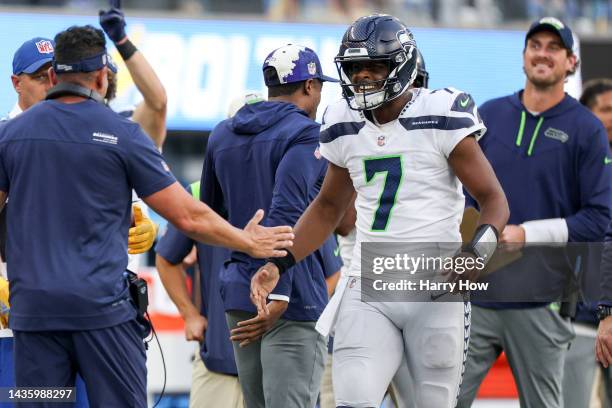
<point x="66" y="88"/>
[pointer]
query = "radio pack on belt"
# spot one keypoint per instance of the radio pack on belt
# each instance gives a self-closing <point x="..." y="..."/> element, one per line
<point x="138" y="292"/>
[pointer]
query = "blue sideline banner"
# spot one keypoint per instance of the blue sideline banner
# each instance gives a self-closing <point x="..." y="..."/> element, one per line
<point x="204" y="64"/>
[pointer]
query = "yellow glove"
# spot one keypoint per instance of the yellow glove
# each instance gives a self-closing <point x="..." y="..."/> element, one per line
<point x="142" y="235"/>
<point x="4" y="302"/>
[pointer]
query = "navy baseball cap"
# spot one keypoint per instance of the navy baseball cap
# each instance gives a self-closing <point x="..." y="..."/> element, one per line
<point x="32" y="55"/>
<point x="553" y="25"/>
<point x="293" y="63"/>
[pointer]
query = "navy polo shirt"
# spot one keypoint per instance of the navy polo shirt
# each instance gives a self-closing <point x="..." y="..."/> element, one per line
<point x="69" y="170"/>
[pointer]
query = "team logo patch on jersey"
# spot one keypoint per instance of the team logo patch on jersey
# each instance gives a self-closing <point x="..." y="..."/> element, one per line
<point x="44" y="47"/>
<point x="381" y="140"/>
<point x="556" y="134"/>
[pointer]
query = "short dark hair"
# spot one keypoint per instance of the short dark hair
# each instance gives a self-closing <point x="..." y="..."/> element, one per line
<point x="280" y="90"/>
<point x="77" y="43"/>
<point x="285" y="89"/>
<point x="592" y="89"/>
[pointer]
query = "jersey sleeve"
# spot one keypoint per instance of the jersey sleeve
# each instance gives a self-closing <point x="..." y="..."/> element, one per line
<point x="337" y="125"/>
<point x="461" y="120"/>
<point x="148" y="173"/>
<point x="331" y="148"/>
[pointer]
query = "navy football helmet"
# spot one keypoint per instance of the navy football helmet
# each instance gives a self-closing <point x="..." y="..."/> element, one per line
<point x="379" y="38"/>
<point x="422" y="77"/>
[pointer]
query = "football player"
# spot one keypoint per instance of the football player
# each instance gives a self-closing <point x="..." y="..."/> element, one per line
<point x="406" y="153"/>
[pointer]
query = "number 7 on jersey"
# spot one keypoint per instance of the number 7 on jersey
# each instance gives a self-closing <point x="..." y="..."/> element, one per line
<point x="391" y="166"/>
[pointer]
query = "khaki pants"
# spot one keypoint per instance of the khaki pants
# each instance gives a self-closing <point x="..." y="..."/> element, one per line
<point x="210" y="389"/>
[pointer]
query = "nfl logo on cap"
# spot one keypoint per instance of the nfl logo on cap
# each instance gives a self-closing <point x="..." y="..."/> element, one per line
<point x="312" y="68"/>
<point x="44" y="47"/>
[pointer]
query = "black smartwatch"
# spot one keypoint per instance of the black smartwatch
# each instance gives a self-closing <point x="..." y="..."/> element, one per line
<point x="603" y="312"/>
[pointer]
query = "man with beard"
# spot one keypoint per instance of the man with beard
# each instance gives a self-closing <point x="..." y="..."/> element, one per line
<point x="550" y="154"/>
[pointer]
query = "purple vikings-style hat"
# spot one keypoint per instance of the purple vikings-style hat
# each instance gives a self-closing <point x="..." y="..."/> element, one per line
<point x="293" y="63"/>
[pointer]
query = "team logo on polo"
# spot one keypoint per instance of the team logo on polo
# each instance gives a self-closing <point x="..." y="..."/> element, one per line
<point x="44" y="47"/>
<point x="556" y="134"/>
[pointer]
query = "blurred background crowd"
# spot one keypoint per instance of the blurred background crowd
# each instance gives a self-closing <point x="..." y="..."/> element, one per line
<point x="585" y="16"/>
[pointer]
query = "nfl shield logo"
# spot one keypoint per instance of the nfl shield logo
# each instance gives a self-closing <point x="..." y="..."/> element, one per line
<point x="312" y="68"/>
<point x="381" y="140"/>
<point x="44" y="47"/>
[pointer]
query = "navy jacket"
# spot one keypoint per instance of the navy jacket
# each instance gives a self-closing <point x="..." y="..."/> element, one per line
<point x="551" y="165"/>
<point x="266" y="157"/>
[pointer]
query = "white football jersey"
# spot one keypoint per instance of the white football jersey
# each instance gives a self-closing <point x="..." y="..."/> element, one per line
<point x="406" y="189"/>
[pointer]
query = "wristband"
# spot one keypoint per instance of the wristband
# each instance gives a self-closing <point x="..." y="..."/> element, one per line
<point x="126" y="49"/>
<point x="283" y="263"/>
<point x="484" y="243"/>
<point x="603" y="312"/>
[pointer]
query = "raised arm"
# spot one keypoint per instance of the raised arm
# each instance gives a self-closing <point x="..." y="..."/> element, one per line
<point x="151" y="112"/>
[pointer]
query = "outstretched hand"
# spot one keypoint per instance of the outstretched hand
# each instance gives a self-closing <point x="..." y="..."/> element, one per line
<point x="267" y="242"/>
<point x="603" y="342"/>
<point x="262" y="284"/>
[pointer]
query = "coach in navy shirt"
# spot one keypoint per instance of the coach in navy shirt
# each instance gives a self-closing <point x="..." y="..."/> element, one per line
<point x="69" y="165"/>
